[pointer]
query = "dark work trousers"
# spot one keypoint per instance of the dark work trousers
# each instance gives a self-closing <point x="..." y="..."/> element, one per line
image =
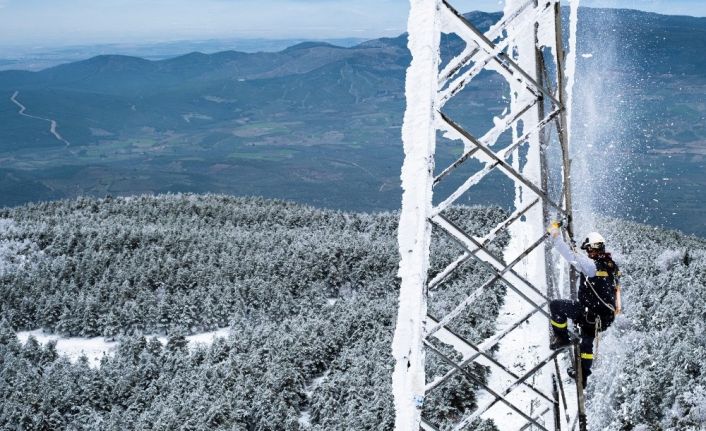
<point x="563" y="309"/>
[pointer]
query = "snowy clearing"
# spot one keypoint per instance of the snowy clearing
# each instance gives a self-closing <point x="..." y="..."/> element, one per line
<point x="95" y="348"/>
<point x="304" y="419"/>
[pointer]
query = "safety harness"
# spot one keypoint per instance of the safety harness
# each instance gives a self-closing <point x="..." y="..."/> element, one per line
<point x="593" y="289"/>
<point x="597" y="320"/>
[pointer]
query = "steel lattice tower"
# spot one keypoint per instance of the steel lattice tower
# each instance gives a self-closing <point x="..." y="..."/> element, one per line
<point x="526" y="390"/>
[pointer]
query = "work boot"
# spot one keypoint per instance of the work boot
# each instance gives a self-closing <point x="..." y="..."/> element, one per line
<point x="572" y="373"/>
<point x="559" y="342"/>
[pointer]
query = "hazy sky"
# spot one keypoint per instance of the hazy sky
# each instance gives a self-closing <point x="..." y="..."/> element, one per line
<point x="60" y="22"/>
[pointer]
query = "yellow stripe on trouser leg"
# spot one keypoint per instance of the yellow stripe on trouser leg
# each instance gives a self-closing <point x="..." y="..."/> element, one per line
<point x="587" y="356"/>
<point x="559" y="325"/>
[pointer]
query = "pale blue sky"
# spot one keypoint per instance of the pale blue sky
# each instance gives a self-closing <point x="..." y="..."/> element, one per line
<point x="60" y="22"/>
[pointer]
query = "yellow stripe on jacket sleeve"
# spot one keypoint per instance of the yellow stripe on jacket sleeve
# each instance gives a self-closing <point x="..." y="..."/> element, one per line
<point x="560" y="325"/>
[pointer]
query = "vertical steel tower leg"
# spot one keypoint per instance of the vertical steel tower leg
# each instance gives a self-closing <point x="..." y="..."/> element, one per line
<point x="522" y="391"/>
<point x="419" y="136"/>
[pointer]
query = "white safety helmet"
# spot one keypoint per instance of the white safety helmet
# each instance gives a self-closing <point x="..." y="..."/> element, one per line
<point x="594" y="241"/>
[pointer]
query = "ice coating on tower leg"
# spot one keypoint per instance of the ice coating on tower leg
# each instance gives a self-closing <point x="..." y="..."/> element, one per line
<point x="418" y="137"/>
<point x="570" y="67"/>
<point x="529" y="342"/>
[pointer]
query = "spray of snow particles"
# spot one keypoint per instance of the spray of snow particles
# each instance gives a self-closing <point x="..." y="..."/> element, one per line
<point x="600" y="122"/>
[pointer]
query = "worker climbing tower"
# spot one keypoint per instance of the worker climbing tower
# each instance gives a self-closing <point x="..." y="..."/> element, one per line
<point x="525" y="386"/>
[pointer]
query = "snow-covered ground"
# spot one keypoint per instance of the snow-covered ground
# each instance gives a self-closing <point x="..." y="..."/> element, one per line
<point x="97" y="347"/>
<point x="305" y="416"/>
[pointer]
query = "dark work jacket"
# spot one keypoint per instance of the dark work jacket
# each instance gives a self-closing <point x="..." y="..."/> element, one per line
<point x="596" y="292"/>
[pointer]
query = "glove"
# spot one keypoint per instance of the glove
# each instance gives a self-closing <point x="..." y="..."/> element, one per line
<point x="553" y="229"/>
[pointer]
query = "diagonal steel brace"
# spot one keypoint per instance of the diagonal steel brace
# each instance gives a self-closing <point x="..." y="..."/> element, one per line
<point x="486" y="346"/>
<point x="492" y="53"/>
<point x="498" y="276"/>
<point x="489" y="167"/>
<point x="501" y="58"/>
<point x="495" y="264"/>
<point x="504" y="125"/>
<point x="491" y="359"/>
<point x="503" y="164"/>
<point x="496" y="395"/>
<point x="495" y="31"/>
<point x="487" y="239"/>
<point x="529" y="424"/>
<point x="507" y="391"/>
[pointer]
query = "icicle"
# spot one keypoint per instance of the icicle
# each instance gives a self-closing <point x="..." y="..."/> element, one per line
<point x="570" y="67"/>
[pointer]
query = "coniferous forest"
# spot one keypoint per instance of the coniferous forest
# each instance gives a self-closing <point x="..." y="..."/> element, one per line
<point x="310" y="297"/>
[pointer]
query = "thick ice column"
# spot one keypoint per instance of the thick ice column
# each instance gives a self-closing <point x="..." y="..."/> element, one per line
<point x="529" y="161"/>
<point x="571" y="62"/>
<point x="528" y="343"/>
<point x="419" y="138"/>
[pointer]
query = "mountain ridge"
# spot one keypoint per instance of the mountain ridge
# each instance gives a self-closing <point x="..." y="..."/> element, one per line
<point x="483" y="20"/>
<point x="279" y="124"/>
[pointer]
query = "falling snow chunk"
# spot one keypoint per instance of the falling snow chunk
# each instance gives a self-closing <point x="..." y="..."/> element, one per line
<point x="589" y="55"/>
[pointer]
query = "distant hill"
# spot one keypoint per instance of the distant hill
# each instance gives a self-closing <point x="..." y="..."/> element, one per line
<point x="33" y="58"/>
<point x="321" y="124"/>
